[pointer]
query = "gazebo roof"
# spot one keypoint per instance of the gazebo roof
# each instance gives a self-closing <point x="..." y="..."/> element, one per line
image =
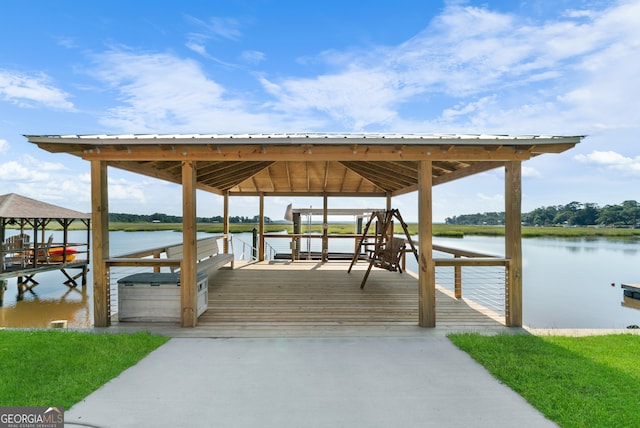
<point x="306" y="163"/>
<point x="15" y="206"/>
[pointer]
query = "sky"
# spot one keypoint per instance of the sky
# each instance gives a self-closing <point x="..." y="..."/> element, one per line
<point x="559" y="67"/>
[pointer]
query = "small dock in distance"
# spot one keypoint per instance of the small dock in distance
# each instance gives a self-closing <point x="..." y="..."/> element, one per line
<point x="631" y="295"/>
<point x="27" y="245"/>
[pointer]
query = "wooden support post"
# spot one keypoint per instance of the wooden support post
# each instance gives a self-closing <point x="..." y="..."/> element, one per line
<point x="3" y="288"/>
<point x="88" y="223"/>
<point x="427" y="272"/>
<point x="225" y="242"/>
<point x="188" y="270"/>
<point x="389" y="201"/>
<point x="325" y="229"/>
<point x="100" y="220"/>
<point x="457" y="279"/>
<point x="297" y="229"/>
<point x="513" y="242"/>
<point x="261" y="229"/>
<point x="156" y="255"/>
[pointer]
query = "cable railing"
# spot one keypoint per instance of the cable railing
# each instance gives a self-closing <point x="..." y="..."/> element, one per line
<point x="484" y="278"/>
<point x="249" y="252"/>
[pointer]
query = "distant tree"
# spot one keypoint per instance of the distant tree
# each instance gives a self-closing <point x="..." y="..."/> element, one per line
<point x="631" y="212"/>
<point x="491" y="218"/>
<point x="610" y="215"/>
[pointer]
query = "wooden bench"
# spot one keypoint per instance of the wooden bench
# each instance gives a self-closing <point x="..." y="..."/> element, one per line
<point x="208" y="255"/>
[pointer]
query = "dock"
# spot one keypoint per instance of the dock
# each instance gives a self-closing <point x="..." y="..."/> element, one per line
<point x="631" y="295"/>
<point x="268" y="299"/>
<point x="27" y="247"/>
<point x="25" y="274"/>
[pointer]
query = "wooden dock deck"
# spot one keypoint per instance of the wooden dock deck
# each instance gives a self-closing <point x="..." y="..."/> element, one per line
<point x="306" y="298"/>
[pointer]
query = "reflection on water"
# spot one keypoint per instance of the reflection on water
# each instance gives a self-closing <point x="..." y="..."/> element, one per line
<point x="50" y="300"/>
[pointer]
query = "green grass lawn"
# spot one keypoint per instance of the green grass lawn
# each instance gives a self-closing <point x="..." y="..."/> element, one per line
<point x="577" y="382"/>
<point x="60" y="368"/>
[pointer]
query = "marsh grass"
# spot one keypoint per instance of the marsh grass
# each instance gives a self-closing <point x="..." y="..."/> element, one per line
<point x="574" y="381"/>
<point x="60" y="368"/>
<point x="440" y="230"/>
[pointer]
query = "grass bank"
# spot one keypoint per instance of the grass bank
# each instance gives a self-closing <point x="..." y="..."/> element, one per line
<point x="440" y="230"/>
<point x="574" y="381"/>
<point x="60" y="368"/>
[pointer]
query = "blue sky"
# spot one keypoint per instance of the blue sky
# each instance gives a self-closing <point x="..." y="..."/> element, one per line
<point x="562" y="67"/>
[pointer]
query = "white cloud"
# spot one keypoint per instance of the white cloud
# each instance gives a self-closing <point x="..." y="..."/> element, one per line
<point x="354" y="100"/>
<point x="198" y="48"/>
<point x="492" y="199"/>
<point x="47" y="181"/>
<point x="165" y="93"/>
<point x="40" y="165"/>
<point x="488" y="71"/>
<point x="252" y="57"/>
<point x="30" y="90"/>
<point x="528" y="171"/>
<point x="4" y="146"/>
<point x="504" y="74"/>
<point x="217" y="28"/>
<point x="126" y="190"/>
<point x="214" y="29"/>
<point x="611" y="160"/>
<point x="14" y="171"/>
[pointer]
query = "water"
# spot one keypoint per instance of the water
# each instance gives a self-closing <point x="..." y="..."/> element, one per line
<point x="566" y="282"/>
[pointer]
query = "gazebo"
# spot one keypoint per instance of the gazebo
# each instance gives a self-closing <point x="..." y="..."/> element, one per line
<point x="307" y="164"/>
<point x="32" y="219"/>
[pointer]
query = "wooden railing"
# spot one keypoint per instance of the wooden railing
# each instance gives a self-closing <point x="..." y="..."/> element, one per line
<point x="141" y="258"/>
<point x="149" y="258"/>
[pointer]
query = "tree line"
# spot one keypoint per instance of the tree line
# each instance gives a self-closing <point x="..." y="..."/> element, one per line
<point x="165" y="218"/>
<point x="572" y="214"/>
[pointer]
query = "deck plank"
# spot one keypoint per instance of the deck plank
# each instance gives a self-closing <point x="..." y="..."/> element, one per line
<point x="307" y="294"/>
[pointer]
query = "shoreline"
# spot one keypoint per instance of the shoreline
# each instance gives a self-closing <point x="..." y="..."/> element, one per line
<point x="439" y="230"/>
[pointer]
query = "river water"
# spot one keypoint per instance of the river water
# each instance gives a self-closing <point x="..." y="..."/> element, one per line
<point x="567" y="283"/>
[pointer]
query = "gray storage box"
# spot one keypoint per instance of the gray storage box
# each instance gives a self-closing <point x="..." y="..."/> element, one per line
<point x="156" y="296"/>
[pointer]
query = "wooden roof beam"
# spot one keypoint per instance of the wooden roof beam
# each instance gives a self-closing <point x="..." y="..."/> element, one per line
<point x="316" y="153"/>
<point x="288" y="175"/>
<point x="326" y="175"/>
<point x="294" y="193"/>
<point x="447" y="168"/>
<point x="344" y="178"/>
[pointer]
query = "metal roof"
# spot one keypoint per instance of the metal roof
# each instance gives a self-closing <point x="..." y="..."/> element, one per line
<point x="306" y="163"/>
<point x="298" y="137"/>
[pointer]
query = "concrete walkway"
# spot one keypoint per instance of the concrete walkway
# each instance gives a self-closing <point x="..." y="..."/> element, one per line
<point x="306" y="382"/>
